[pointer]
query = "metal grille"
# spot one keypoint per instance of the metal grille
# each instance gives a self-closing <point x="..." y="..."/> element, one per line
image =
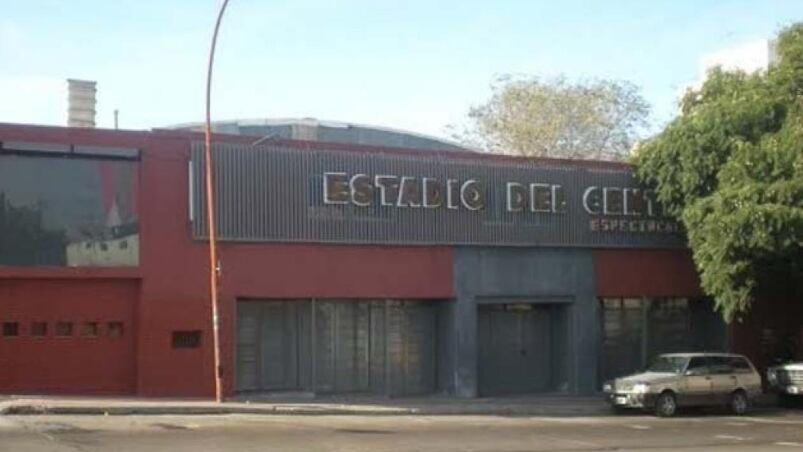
<point x="786" y="376"/>
<point x="275" y="194"/>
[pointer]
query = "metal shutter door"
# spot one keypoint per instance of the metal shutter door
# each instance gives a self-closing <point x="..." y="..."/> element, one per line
<point x="279" y="341"/>
<point x="247" y="346"/>
<point x="419" y="348"/>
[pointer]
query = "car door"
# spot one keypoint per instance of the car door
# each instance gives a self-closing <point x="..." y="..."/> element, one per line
<point x="746" y="376"/>
<point x="723" y="379"/>
<point x="696" y="382"/>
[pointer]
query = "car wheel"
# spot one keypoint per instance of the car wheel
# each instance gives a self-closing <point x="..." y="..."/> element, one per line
<point x="739" y="403"/>
<point x="666" y="405"/>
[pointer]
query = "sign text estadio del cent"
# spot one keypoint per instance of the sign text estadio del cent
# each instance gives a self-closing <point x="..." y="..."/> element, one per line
<point x="612" y="209"/>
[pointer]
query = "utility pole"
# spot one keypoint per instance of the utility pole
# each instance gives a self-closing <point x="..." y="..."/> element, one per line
<point x="214" y="262"/>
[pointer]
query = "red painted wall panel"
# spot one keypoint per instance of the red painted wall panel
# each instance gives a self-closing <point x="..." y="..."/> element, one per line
<point x="634" y="273"/>
<point x="68" y="365"/>
<point x="291" y="271"/>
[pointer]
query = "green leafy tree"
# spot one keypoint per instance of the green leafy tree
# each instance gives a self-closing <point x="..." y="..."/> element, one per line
<point x="730" y="167"/>
<point x="530" y="116"/>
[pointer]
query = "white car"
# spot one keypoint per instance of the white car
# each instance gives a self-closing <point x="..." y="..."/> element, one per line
<point x="688" y="379"/>
<point x="786" y="380"/>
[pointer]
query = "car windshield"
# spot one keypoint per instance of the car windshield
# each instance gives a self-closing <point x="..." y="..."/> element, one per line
<point x="673" y="364"/>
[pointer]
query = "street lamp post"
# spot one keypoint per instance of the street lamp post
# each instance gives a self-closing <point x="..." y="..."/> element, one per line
<point x="214" y="263"/>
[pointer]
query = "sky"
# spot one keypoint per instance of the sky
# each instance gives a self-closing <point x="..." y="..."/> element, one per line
<point x="417" y="65"/>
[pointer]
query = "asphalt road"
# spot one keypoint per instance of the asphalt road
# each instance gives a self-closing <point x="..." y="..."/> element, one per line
<point x="781" y="431"/>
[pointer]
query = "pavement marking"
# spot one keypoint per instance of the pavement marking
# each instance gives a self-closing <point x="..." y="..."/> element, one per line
<point x="731" y="437"/>
<point x="737" y="424"/>
<point x="788" y="443"/>
<point x="759" y="420"/>
<point x="640" y="427"/>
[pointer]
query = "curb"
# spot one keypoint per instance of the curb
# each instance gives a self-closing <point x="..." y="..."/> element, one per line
<point x="34" y="410"/>
<point x="24" y="409"/>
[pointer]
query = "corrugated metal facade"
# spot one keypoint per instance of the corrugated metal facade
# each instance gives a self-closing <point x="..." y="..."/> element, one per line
<point x="275" y="194"/>
<point x="337" y="346"/>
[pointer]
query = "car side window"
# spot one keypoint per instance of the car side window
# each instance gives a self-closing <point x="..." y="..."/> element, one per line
<point x="720" y="365"/>
<point x="740" y="365"/>
<point x="697" y="366"/>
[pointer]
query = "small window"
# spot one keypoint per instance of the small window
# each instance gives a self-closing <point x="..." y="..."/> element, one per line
<point x="38" y="329"/>
<point x="11" y="329"/>
<point x="740" y="365"/>
<point x="186" y="339"/>
<point x="89" y="329"/>
<point x="123" y="244"/>
<point x="114" y="329"/>
<point x="104" y="246"/>
<point x="64" y="329"/>
<point x="698" y="366"/>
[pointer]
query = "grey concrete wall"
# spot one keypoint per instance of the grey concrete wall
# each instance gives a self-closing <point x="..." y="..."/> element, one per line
<point x="526" y="275"/>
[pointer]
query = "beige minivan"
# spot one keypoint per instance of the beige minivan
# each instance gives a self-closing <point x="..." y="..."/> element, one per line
<point x="688" y="379"/>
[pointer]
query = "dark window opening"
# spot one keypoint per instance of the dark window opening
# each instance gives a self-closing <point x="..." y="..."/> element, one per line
<point x="89" y="329"/>
<point x="186" y="339"/>
<point x="39" y="329"/>
<point x="10" y="329"/>
<point x="114" y="329"/>
<point x="64" y="329"/>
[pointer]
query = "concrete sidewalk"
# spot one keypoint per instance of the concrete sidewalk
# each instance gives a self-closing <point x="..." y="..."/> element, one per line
<point x="531" y="405"/>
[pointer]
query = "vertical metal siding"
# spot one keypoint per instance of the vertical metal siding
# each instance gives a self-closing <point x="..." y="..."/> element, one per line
<point x="269" y="193"/>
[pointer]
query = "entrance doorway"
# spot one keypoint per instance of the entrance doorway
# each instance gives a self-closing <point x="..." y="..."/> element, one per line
<point x="516" y="348"/>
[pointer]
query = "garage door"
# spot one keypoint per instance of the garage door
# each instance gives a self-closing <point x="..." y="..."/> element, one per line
<point x="337" y="346"/>
<point x="515" y="349"/>
<point x="67" y="336"/>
